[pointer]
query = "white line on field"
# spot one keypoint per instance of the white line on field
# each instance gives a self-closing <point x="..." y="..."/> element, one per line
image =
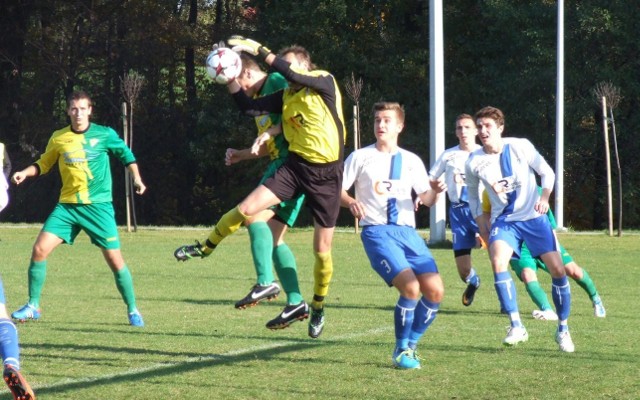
<point x="191" y="360"/>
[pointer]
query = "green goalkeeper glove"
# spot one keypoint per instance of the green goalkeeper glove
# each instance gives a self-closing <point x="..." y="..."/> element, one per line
<point x="250" y="46"/>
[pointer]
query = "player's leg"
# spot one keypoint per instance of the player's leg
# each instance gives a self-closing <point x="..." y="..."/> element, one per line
<point x="124" y="283"/>
<point x="431" y="286"/>
<point x="260" y="199"/>
<point x="542" y="242"/>
<point x="468" y="275"/>
<point x="463" y="231"/>
<point x="45" y="243"/>
<point x="432" y="290"/>
<point x="502" y="242"/>
<point x="322" y="273"/>
<point x="583" y="279"/>
<point x="261" y="240"/>
<point x="99" y="222"/>
<point x="286" y="268"/>
<point x="10" y="353"/>
<point x="561" y="294"/>
<point x="530" y="279"/>
<point x="525" y="267"/>
<point x="403" y="318"/>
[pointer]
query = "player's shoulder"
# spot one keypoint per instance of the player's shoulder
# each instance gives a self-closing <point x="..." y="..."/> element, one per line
<point x="57" y="134"/>
<point x="518" y="141"/>
<point x="409" y="154"/>
<point x="275" y="81"/>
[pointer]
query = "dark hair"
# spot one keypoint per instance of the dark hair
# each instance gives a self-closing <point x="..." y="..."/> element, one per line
<point x="491" y="112"/>
<point x="249" y="62"/>
<point x="390" y="105"/>
<point x="78" y="95"/>
<point x="301" y="54"/>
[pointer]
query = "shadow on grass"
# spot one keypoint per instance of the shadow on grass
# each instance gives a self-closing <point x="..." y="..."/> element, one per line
<point x="198" y="362"/>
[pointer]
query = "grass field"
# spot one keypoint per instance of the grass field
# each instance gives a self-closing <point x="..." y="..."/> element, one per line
<point x="196" y="345"/>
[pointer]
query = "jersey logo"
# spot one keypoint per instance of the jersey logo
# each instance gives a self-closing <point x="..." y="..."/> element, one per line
<point x="505" y="185"/>
<point x="382" y="187"/>
<point x="297" y="121"/>
<point x="93" y="142"/>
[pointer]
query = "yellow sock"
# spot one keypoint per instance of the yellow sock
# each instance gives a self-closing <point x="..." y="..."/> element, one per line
<point x="228" y="224"/>
<point x="322" y="272"/>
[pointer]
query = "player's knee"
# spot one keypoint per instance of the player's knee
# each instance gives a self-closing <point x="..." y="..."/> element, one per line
<point x="410" y="290"/>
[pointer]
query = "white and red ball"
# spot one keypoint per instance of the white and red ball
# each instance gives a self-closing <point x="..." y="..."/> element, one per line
<point x="223" y="65"/>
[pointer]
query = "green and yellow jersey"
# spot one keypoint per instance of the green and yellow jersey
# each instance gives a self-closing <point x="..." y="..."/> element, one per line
<point x="277" y="146"/>
<point x="312" y="117"/>
<point x="83" y="161"/>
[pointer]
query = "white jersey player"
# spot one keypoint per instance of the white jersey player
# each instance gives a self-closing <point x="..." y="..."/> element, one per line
<point x="518" y="214"/>
<point x="384" y="176"/>
<point x="464" y="230"/>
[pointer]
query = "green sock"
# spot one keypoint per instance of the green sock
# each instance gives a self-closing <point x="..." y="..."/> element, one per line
<point x="538" y="295"/>
<point x="261" y="248"/>
<point x="285" y="264"/>
<point x="587" y="284"/>
<point x="37" y="276"/>
<point x="124" y="283"/>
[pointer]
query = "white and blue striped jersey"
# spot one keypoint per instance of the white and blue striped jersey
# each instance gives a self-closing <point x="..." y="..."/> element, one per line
<point x="451" y="163"/>
<point x="383" y="183"/>
<point x="509" y="180"/>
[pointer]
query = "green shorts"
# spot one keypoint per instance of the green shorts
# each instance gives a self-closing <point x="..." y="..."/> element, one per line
<point x="96" y="219"/>
<point x="526" y="260"/>
<point x="287" y="211"/>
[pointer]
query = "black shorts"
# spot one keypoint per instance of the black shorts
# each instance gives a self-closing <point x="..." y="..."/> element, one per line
<point x="321" y="183"/>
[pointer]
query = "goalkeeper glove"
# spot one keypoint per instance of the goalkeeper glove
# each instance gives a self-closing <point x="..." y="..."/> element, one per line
<point x="250" y="46"/>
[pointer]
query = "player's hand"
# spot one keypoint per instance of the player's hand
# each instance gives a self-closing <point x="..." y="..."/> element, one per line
<point x="219" y="45"/>
<point x="438" y="186"/>
<point x="140" y="187"/>
<point x="231" y="157"/>
<point x="542" y="207"/>
<point x="240" y="43"/>
<point x="417" y="203"/>
<point x="357" y="209"/>
<point x="18" y="177"/>
<point x="260" y="140"/>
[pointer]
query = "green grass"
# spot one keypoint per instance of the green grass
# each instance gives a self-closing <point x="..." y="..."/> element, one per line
<point x="196" y="345"/>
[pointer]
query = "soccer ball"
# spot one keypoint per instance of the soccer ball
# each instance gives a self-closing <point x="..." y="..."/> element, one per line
<point x="223" y="65"/>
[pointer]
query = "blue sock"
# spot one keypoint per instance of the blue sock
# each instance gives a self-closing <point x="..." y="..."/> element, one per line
<point x="426" y="312"/>
<point x="561" y="294"/>
<point x="403" y="320"/>
<point x="9" y="349"/>
<point x="506" y="291"/>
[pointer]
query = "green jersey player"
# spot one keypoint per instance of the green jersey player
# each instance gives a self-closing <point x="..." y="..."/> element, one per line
<point x="81" y="153"/>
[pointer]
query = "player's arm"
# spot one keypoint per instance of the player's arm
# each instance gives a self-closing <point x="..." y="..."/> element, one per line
<point x="355" y="207"/>
<point x="430" y="197"/>
<point x="234" y="156"/>
<point x="261" y="141"/>
<point x="484" y="219"/>
<point x="20" y="176"/>
<point x="137" y="180"/>
<point x="6" y="161"/>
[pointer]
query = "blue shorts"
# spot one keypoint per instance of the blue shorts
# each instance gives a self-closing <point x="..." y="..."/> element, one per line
<point x="463" y="226"/>
<point x="536" y="233"/>
<point x="392" y="249"/>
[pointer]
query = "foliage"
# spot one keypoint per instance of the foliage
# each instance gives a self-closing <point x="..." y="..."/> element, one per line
<point x="496" y="52"/>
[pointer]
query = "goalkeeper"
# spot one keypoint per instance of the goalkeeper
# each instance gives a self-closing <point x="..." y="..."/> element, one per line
<point x="269" y="226"/>
<point x="313" y="124"/>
